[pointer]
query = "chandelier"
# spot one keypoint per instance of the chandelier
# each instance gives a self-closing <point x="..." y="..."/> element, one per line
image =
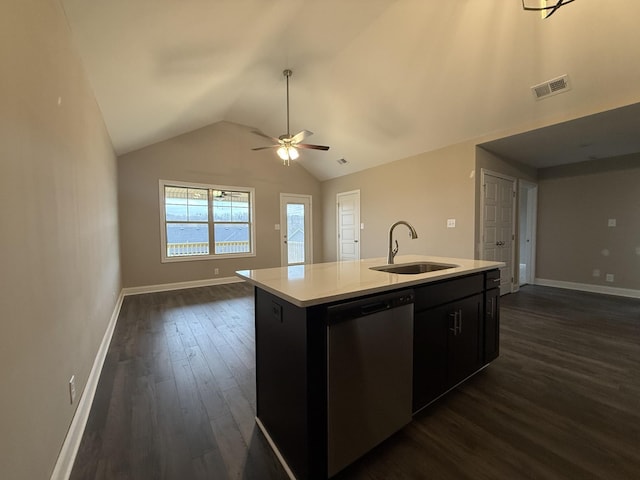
<point x="548" y="6"/>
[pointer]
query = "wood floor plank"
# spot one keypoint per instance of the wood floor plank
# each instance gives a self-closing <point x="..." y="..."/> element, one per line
<point x="176" y="397"/>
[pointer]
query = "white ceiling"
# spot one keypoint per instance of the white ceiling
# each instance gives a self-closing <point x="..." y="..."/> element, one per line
<point x="377" y="80"/>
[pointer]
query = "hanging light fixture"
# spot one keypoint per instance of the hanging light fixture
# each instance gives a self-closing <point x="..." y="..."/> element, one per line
<point x="547" y="6"/>
<point x="287" y="153"/>
<point x="287" y="145"/>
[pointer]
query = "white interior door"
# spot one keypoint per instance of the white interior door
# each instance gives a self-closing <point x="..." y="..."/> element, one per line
<point x="295" y="229"/>
<point x="348" y="225"/>
<point x="498" y="234"/>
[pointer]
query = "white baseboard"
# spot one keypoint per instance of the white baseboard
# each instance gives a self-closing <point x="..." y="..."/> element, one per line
<point x="585" y="287"/>
<point x="67" y="456"/>
<point x="165" y="287"/>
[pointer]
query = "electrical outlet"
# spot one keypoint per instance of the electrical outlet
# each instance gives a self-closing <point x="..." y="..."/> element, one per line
<point x="611" y="222"/>
<point x="276" y="311"/>
<point x="609" y="277"/>
<point x="216" y="271"/>
<point x="72" y="389"/>
<point x="451" y="223"/>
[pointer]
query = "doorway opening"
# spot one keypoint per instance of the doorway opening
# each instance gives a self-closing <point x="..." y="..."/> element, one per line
<point x="527" y="210"/>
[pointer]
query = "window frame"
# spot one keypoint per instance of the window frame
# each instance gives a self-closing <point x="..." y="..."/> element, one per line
<point x="210" y="221"/>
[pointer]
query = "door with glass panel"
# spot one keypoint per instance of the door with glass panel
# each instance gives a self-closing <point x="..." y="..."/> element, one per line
<point x="295" y="229"/>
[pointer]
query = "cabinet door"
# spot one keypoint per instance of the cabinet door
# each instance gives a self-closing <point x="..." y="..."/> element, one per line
<point x="429" y="355"/>
<point x="492" y="325"/>
<point x="464" y="352"/>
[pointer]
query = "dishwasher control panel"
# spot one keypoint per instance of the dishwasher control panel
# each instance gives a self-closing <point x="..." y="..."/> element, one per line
<point x="369" y="305"/>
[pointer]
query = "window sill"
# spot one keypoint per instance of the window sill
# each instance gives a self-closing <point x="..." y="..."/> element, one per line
<point x="193" y="258"/>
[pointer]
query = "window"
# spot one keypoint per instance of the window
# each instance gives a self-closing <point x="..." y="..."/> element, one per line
<point x="205" y="221"/>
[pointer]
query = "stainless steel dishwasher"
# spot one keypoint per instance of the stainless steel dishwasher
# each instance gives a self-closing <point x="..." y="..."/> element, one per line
<point x="369" y="370"/>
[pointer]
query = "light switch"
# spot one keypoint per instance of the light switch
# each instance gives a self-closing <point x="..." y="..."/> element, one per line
<point x="451" y="223"/>
<point x="277" y="226"/>
<point x="612" y="222"/>
<point x="362" y="226"/>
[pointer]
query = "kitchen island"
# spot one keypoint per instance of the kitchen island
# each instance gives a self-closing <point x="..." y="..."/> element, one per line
<point x="346" y="354"/>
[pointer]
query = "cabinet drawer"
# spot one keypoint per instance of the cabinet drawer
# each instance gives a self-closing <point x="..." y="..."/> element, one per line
<point x="434" y="294"/>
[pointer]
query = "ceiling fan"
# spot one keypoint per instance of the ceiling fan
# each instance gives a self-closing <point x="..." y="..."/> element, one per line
<point x="288" y="144"/>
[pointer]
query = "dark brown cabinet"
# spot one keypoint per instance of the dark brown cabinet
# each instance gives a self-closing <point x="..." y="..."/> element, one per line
<point x="454" y="334"/>
<point x="464" y="352"/>
<point x="492" y="316"/>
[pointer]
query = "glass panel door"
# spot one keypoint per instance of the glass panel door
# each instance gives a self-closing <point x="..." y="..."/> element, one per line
<point x="295" y="233"/>
<point x="295" y="227"/>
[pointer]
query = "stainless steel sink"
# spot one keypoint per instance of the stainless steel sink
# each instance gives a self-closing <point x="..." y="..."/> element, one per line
<point x="413" y="268"/>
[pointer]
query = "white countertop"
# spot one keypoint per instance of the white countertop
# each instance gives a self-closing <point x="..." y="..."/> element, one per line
<point x="318" y="283"/>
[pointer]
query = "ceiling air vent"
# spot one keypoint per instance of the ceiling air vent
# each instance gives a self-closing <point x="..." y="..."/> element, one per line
<point x="551" y="87"/>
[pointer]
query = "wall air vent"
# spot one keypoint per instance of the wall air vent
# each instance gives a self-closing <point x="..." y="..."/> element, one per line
<point x="551" y="87"/>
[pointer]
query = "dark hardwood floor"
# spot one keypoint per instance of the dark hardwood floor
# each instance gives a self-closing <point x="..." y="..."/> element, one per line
<point x="176" y="398"/>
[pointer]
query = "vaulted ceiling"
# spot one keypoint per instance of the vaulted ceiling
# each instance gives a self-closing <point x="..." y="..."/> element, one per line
<point x="377" y="80"/>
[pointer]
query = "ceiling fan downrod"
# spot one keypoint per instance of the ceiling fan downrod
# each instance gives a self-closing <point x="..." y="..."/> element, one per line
<point x="287" y="73"/>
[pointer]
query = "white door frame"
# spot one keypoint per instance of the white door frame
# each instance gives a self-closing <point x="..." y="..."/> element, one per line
<point x="357" y="239"/>
<point x="532" y="215"/>
<point x="308" y="229"/>
<point x="483" y="172"/>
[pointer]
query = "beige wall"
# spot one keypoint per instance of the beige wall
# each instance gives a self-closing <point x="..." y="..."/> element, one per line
<point x="424" y="190"/>
<point x="218" y="154"/>
<point x="575" y="203"/>
<point x="59" y="264"/>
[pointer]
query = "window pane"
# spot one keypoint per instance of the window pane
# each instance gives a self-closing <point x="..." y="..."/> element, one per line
<point x="185" y="204"/>
<point x="198" y="213"/>
<point x="187" y="239"/>
<point x="230" y="206"/>
<point x="240" y="213"/>
<point x="175" y="203"/>
<point x="295" y="233"/>
<point x="231" y="238"/>
<point x="240" y="207"/>
<point x="176" y="213"/>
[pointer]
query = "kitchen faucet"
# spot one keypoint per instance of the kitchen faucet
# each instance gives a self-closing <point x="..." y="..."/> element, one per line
<point x="393" y="251"/>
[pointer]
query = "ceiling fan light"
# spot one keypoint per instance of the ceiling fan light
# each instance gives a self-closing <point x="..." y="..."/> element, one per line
<point x="288" y="153"/>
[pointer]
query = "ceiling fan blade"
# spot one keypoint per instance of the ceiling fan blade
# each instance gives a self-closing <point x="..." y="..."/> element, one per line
<point x="313" y="147"/>
<point x="298" y="137"/>
<point x="264" y="148"/>
<point x="259" y="133"/>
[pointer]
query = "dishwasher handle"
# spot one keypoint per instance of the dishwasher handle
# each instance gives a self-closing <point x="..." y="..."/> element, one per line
<point x="369" y="306"/>
<point x="374" y="308"/>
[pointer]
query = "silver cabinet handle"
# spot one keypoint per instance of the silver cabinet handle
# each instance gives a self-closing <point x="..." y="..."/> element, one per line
<point x="457" y="322"/>
<point x="454" y="329"/>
